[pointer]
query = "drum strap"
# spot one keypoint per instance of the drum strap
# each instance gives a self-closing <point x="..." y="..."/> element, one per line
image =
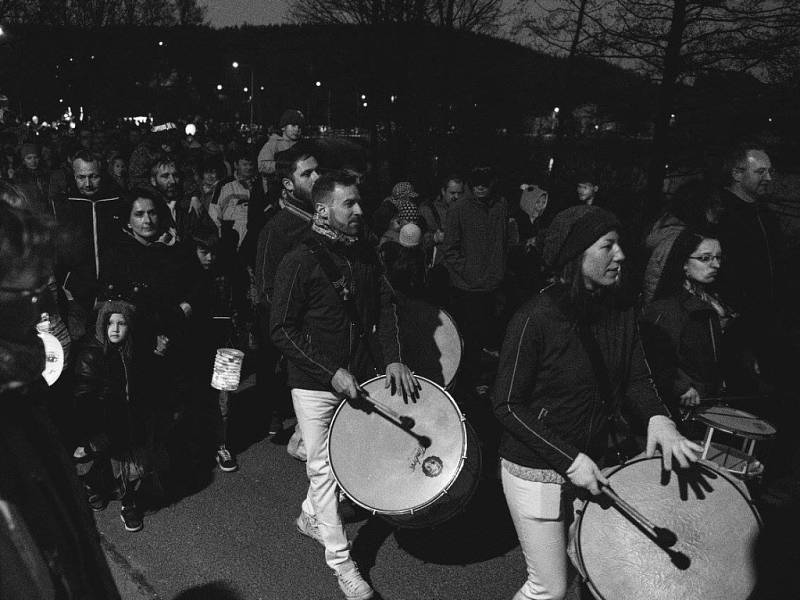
<point x="605" y="388"/>
<point x="339" y="283"/>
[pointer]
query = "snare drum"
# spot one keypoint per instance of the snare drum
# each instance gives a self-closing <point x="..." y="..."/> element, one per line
<point x="737" y="423"/>
<point x="388" y="471"/>
<point x="430" y="342"/>
<point x="716" y="533"/>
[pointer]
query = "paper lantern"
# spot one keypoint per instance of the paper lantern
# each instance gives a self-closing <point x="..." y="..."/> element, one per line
<point x="227" y="369"/>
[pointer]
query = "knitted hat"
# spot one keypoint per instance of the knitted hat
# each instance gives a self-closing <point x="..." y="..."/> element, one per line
<point x="408" y="211"/>
<point x="403" y="190"/>
<point x="28" y="148"/>
<point x="573" y="230"/>
<point x="291" y="116"/>
<point x="410" y="235"/>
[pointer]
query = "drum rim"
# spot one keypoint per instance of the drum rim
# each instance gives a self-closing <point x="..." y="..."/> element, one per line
<point x="730" y="430"/>
<point x="412" y="510"/>
<point x="737" y="485"/>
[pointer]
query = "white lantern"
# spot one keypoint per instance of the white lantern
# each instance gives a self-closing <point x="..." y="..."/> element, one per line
<point x="227" y="369"/>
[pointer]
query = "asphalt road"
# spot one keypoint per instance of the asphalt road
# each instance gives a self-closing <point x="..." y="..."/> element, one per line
<point x="231" y="536"/>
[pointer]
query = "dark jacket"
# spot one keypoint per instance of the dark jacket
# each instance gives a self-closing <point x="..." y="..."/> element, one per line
<point x="281" y="233"/>
<point x="476" y="244"/>
<point x="546" y="394"/>
<point x="93" y="224"/>
<point x="53" y="549"/>
<point x="155" y="278"/>
<point x="309" y="322"/>
<point x="107" y="416"/>
<point x="683" y="341"/>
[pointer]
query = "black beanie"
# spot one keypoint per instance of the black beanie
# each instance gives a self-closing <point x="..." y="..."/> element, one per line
<point x="573" y="230"/>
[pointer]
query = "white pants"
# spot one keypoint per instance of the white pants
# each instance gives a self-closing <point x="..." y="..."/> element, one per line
<point x="314" y="410"/>
<point x="537" y="512"/>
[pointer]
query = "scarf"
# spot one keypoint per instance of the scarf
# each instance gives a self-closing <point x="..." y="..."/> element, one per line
<point x="724" y="312"/>
<point x="320" y="226"/>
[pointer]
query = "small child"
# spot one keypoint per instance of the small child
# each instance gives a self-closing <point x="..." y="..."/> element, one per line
<point x="215" y="325"/>
<point x="112" y="423"/>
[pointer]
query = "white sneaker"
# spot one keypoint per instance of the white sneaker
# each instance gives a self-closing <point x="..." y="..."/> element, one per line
<point x="307" y="525"/>
<point x="352" y="583"/>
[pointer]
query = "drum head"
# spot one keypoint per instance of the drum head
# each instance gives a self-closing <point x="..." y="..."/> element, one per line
<point x="430" y="342"/>
<point x="735" y="421"/>
<point x="54" y="357"/>
<point x="385" y="469"/>
<point x="716" y="527"/>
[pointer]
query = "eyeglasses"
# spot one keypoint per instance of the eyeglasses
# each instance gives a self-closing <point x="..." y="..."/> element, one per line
<point x="707" y="258"/>
<point x="31" y="294"/>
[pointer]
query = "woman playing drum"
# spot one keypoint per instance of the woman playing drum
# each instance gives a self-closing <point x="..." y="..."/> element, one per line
<point x="569" y="353"/>
<point x="682" y="329"/>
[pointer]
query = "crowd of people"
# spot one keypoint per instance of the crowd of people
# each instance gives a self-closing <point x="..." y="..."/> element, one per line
<point x="144" y="253"/>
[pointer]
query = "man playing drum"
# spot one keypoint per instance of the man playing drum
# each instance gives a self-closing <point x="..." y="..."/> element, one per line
<point x="569" y="354"/>
<point x="329" y="297"/>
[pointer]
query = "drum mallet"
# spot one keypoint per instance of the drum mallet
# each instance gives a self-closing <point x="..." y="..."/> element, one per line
<point x="662" y="536"/>
<point x="404" y="422"/>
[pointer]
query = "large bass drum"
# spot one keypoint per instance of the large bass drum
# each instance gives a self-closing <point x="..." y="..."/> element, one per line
<point x="388" y="471"/>
<point x="708" y="510"/>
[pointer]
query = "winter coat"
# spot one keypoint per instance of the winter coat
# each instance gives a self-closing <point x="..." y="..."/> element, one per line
<point x="683" y="342"/>
<point x="311" y="326"/>
<point x="546" y="394"/>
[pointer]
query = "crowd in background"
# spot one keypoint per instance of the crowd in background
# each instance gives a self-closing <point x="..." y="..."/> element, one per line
<point x="159" y="263"/>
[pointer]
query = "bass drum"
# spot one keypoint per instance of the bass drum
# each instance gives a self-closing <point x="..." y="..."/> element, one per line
<point x="430" y="341"/>
<point x="388" y="471"/>
<point x="712" y="516"/>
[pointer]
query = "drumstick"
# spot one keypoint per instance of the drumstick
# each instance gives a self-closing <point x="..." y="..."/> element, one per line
<point x="404" y="421"/>
<point x="663" y="537"/>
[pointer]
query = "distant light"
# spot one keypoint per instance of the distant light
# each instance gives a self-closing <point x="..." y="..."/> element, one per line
<point x="770" y="119"/>
<point x="72" y="124"/>
<point x="672" y="116"/>
<point x="160" y="43"/>
<point x="235" y="65"/>
<point x="61" y="101"/>
<point x="2" y="32"/>
<point x="190" y="129"/>
<point x="556" y="110"/>
<point x="392" y="98"/>
<point x="597" y="126"/>
<point x="71" y="59"/>
<point x="219" y="87"/>
<point x="364" y="104"/>
<point x="262" y="88"/>
<point x="318" y="83"/>
<point x="92" y="57"/>
<point x="363" y="96"/>
<point x="35" y="120"/>
<point x="245" y="90"/>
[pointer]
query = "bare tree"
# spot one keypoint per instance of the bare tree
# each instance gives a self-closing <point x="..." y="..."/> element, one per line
<point x="671" y="41"/>
<point x="469" y="15"/>
<point x="102" y="13"/>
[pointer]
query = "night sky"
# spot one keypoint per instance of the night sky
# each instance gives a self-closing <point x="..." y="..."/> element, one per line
<point x="223" y="13"/>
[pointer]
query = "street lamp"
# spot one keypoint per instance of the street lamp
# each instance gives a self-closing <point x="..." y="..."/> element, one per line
<point x="235" y="65"/>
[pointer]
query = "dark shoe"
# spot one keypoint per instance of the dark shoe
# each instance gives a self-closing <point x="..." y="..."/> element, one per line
<point x="96" y="501"/>
<point x="131" y="518"/>
<point x="225" y="460"/>
<point x="275" y="425"/>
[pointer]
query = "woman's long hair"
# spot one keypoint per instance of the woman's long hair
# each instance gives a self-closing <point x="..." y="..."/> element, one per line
<point x="104" y="313"/>
<point x="673" y="276"/>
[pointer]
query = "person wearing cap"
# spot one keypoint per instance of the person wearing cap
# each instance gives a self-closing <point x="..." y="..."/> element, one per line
<point x="587" y="188"/>
<point x="570" y="360"/>
<point x="475" y="254"/>
<point x="291" y="125"/>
